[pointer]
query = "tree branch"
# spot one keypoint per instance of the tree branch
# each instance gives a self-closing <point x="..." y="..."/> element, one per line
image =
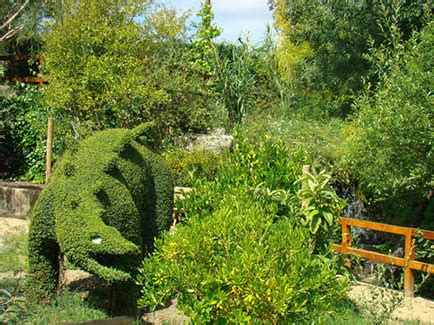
<point x="10" y="33"/>
<point x="15" y="15"/>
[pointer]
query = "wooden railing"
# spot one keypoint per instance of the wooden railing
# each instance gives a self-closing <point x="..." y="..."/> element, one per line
<point x="27" y="79"/>
<point x="408" y="261"/>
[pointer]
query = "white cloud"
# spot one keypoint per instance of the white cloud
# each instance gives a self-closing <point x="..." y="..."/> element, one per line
<point x="245" y="6"/>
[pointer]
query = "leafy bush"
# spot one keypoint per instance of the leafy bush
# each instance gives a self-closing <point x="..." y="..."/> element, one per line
<point x="241" y="264"/>
<point x="189" y="165"/>
<point x="328" y="43"/>
<point x="321" y="207"/>
<point x="203" y="51"/>
<point x="243" y="253"/>
<point x="25" y="118"/>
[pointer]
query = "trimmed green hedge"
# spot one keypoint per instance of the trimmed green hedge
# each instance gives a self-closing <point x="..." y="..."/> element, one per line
<point x="107" y="201"/>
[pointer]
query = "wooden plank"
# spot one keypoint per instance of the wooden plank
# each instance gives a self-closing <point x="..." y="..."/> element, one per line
<point x="420" y="266"/>
<point x="414" y="265"/>
<point x="373" y="256"/>
<point x="408" y="262"/>
<point x="346" y="242"/>
<point x="337" y="248"/>
<point x="15" y="57"/>
<point x="398" y="230"/>
<point x="427" y="234"/>
<point x="29" y="80"/>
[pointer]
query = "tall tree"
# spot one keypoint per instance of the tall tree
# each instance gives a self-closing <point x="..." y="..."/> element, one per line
<point x="340" y="34"/>
<point x="22" y="24"/>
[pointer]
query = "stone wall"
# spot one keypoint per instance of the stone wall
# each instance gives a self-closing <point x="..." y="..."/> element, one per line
<point x="18" y="198"/>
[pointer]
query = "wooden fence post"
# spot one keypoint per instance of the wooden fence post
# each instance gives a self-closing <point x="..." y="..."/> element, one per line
<point x="408" y="273"/>
<point x="346" y="241"/>
<point x="49" y="149"/>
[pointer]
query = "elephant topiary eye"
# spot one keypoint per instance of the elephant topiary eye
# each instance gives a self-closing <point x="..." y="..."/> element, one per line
<point x="96" y="240"/>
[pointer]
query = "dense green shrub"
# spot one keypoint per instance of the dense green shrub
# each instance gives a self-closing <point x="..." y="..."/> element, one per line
<point x="24" y="116"/>
<point x="241" y="264"/>
<point x="188" y="165"/>
<point x="321" y="207"/>
<point x="263" y="168"/>
<point x="24" y="119"/>
<point x="107" y="200"/>
<point x="244" y="252"/>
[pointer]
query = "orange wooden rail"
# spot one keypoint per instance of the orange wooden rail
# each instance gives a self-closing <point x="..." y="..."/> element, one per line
<point x="408" y="262"/>
<point x="29" y="79"/>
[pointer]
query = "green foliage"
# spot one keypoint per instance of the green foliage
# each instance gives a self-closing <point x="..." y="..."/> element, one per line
<point x="203" y="52"/>
<point x="187" y="165"/>
<point x="24" y="119"/>
<point x="391" y="150"/>
<point x="101" y="212"/>
<point x="24" y="130"/>
<point x="22" y="34"/>
<point x="13" y="252"/>
<point x="322" y="207"/>
<point x="69" y="306"/>
<point x="237" y="265"/>
<point x="231" y="259"/>
<point x="337" y="34"/>
<point x="235" y="80"/>
<point x="318" y="142"/>
<point x="107" y="68"/>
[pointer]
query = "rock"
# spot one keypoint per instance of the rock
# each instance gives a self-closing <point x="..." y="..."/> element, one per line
<point x="168" y="315"/>
<point x="216" y="141"/>
<point x="6" y="91"/>
<point x="218" y="131"/>
<point x="180" y="191"/>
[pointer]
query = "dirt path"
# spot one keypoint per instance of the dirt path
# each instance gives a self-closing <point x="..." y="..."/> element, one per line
<point x="382" y="302"/>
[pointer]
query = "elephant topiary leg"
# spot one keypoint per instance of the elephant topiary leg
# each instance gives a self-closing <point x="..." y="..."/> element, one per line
<point x="43" y="278"/>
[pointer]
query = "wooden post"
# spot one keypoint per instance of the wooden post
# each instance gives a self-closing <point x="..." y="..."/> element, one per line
<point x="408" y="273"/>
<point x="49" y="149"/>
<point x="304" y="184"/>
<point x="346" y="241"/>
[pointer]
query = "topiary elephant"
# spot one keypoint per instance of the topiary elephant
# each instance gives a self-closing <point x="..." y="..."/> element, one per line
<point x="106" y="202"/>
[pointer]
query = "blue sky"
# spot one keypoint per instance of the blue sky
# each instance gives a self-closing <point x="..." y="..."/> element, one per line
<point x="236" y="17"/>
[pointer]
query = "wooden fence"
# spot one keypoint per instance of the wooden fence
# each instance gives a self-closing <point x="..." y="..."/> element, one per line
<point x="27" y="79"/>
<point x="408" y="261"/>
